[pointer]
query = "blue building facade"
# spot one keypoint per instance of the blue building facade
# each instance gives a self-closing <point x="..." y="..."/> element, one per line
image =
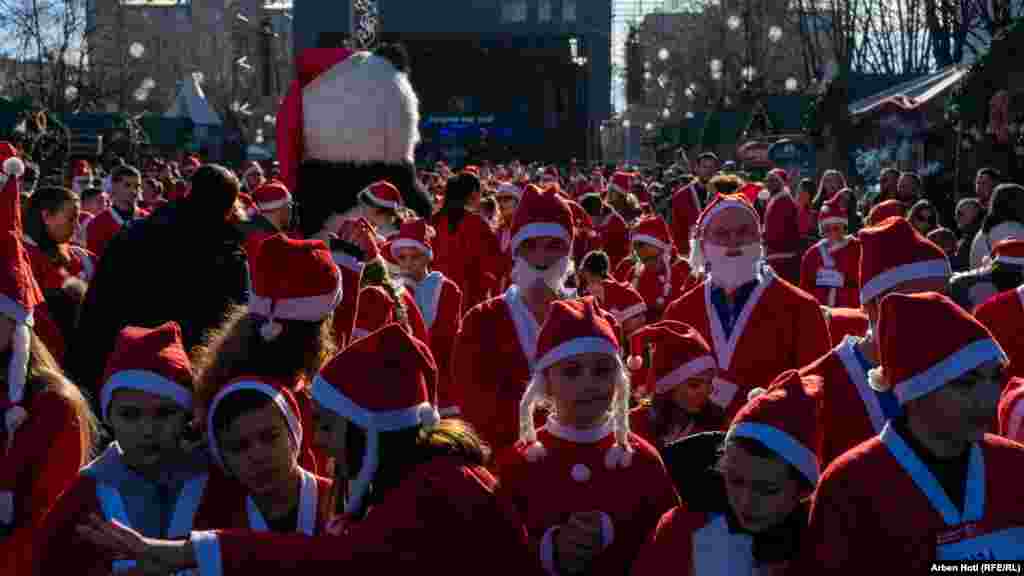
<point x="496" y="78"/>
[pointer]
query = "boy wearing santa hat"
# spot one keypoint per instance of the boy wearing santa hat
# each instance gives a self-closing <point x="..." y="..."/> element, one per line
<point x="654" y="272"/>
<point x="125" y="194"/>
<point x="830" y="269"/>
<point x="933" y="482"/>
<point x="895" y="259"/>
<point x="757" y="325"/>
<point x="781" y="227"/>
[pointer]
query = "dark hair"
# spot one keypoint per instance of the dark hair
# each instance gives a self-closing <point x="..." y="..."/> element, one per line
<point x="1006" y="276"/>
<point x="155" y="184"/>
<point x="236" y="403"/>
<point x="375" y="273"/>
<point x="924" y="205"/>
<point x="457" y="193"/>
<point x="91" y="192"/>
<point x="913" y="176"/>
<point x="47" y="199"/>
<point x="214" y="191"/>
<point x="488" y="203"/>
<point x="596" y="262"/>
<point x="592" y="204"/>
<point x="991" y="173"/>
<point x="807" y="185"/>
<point x="1007" y="205"/>
<point x="708" y="156"/>
<point x="757" y="449"/>
<point x="124" y="171"/>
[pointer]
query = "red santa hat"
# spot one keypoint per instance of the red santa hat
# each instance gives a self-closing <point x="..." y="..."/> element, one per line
<point x="271" y="195"/>
<point x="414" y="234"/>
<point x="81" y="176"/>
<point x="508" y="190"/>
<point x="294" y="280"/>
<point x="19" y="292"/>
<point x="541" y="213"/>
<point x="550" y="175"/>
<point x="680" y="353"/>
<point x="279" y="394"/>
<point x="894" y="252"/>
<point x="576" y="327"/>
<point x="622" y="182"/>
<point x="721" y="203"/>
<point x="151" y="360"/>
<point x="957" y="344"/>
<point x="345" y="106"/>
<point x="384" y="382"/>
<point x="782" y="418"/>
<point x="622" y="300"/>
<point x="833" y="211"/>
<point x="654" y="231"/>
<point x="1009" y="251"/>
<point x="382" y="194"/>
<point x="885" y="210"/>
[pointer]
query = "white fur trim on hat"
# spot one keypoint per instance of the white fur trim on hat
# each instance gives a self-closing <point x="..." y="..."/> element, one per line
<point x="367" y="195"/>
<point x="629" y="312"/>
<point x="507" y="189"/>
<point x="782" y="443"/>
<point x="725" y="205"/>
<point x="538" y="230"/>
<point x="292" y="419"/>
<point x="145" y="381"/>
<point x="831" y="220"/>
<point x="684" y="373"/>
<point x="576" y="346"/>
<point x="275" y="204"/>
<point x="949" y="368"/>
<point x="648" y="239"/>
<point x="410" y="243"/>
<point x="308" y="309"/>
<point x="915" y="271"/>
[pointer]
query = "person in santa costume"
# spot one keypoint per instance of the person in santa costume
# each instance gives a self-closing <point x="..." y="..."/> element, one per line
<point x="273" y="215"/>
<point x="843" y="322"/>
<point x="81" y="176"/>
<point x="507" y="194"/>
<point x="349" y="119"/>
<point x="686" y="208"/>
<point x="753" y="520"/>
<point x="380" y="203"/>
<point x="612" y="233"/>
<point x="884" y="210"/>
<point x="620" y="188"/>
<point x="1003" y="314"/>
<point x="418" y="483"/>
<point x="255" y="433"/>
<point x="51" y="219"/>
<point x="146" y="479"/>
<point x="494" y="351"/>
<point x="831" y="267"/>
<point x="352" y="245"/>
<point x="624" y="303"/>
<point x="758" y="325"/>
<point x="782" y="240"/>
<point x="253" y="177"/>
<point x="48" y="427"/>
<point x="566" y="479"/>
<point x="895" y="259"/>
<point x="653" y="271"/>
<point x="94" y="201"/>
<point x="933" y="482"/>
<point x="679" y="384"/>
<point x="125" y="194"/>
<point x="384" y="299"/>
<point x="283" y="335"/>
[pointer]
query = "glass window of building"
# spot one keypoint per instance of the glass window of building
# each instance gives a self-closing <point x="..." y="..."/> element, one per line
<point x="568" y="10"/>
<point x="513" y="11"/>
<point x="544" y="11"/>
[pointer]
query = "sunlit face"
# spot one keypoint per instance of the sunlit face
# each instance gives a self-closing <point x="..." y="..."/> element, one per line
<point x="379" y="217"/>
<point x="833" y="182"/>
<point x="773" y="183"/>
<point x="963" y="410"/>
<point x="761" y="491"/>
<point x="62" y="223"/>
<point x="542" y="252"/>
<point x="126" y="192"/>
<point x="582" y="388"/>
<point x="413" y="262"/>
<point x="258" y="450"/>
<point x="706" y="168"/>
<point x="148" y="428"/>
<point x="834" y="232"/>
<point x="693" y="394"/>
<point x="733" y="228"/>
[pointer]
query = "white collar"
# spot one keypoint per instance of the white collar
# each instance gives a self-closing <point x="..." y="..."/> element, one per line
<point x="578" y="436"/>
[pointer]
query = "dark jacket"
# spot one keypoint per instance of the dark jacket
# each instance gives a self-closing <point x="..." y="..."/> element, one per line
<point x="175" y="265"/>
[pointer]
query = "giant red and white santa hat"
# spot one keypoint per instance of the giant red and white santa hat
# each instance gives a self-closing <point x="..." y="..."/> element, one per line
<point x="293" y="280"/>
<point x="895" y="252"/>
<point x="151" y="360"/>
<point x="384" y="382"/>
<point x="957" y="344"/>
<point x="575" y="327"/>
<point x="280" y="396"/>
<point x="680" y="353"/>
<point x="541" y="213"/>
<point x="782" y="418"/>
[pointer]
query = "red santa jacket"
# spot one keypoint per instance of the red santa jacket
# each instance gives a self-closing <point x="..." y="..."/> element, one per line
<point x="83" y="222"/>
<point x="491" y="367"/>
<point x="1011" y="410"/>
<point x="572" y="477"/>
<point x="782" y="236"/>
<point x="40" y="464"/>
<point x="779" y="328"/>
<point x="843" y="322"/>
<point x="879" y="500"/>
<point x="471" y="257"/>
<point x="103" y="228"/>
<point x="832" y="273"/>
<point x="1003" y="315"/>
<point x="49" y="275"/>
<point x="686" y="209"/>
<point x="376" y="309"/>
<point x="612" y="237"/>
<point x="313" y="458"/>
<point x="444" y="515"/>
<point x="439" y="301"/>
<point x="345" y="313"/>
<point x="227" y="505"/>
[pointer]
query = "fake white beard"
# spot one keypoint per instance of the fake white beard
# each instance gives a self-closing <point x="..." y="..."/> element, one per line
<point x="524" y="275"/>
<point x="732" y="271"/>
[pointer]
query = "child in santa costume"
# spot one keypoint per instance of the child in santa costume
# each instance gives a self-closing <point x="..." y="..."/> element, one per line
<point x="48" y="428"/>
<point x="933" y="483"/>
<point x="125" y="192"/>
<point x="507" y="194"/>
<point x="384" y="299"/>
<point x="1003" y="314"/>
<point x="755" y="519"/>
<point x="418" y="483"/>
<point x="895" y="258"/>
<point x="624" y="303"/>
<point x="283" y="335"/>
<point x="679" y="384"/>
<point x="255" y="432"/>
<point x="653" y="271"/>
<point x="146" y="479"/>
<point x="612" y="234"/>
<point x="781" y="227"/>
<point x="831" y="267"/>
<point x="493" y="355"/>
<point x="758" y="325"/>
<point x="566" y="479"/>
<point x="438" y="299"/>
<point x="274" y="210"/>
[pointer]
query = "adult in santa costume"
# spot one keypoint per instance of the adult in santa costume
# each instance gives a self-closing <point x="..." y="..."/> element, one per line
<point x="48" y="428"/>
<point x="566" y="479"/>
<point x="146" y="479"/>
<point x="895" y="258"/>
<point x="830" y="270"/>
<point x="94" y="200"/>
<point x="654" y="271"/>
<point x="494" y="352"/>
<point x="508" y="195"/>
<point x="1003" y="315"/>
<point x="283" y="334"/>
<point x="755" y="519"/>
<point x="350" y="119"/>
<point x="255" y="433"/>
<point x="274" y="210"/>
<point x="843" y="322"/>
<point x="352" y="246"/>
<point x="612" y="233"/>
<point x="758" y="325"/>
<point x="379" y="203"/>
<point x="679" y="384"/>
<point x="686" y="208"/>
<point x="932" y="482"/>
<point x="125" y="193"/>
<point x="782" y="240"/>
<point x="418" y="484"/>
